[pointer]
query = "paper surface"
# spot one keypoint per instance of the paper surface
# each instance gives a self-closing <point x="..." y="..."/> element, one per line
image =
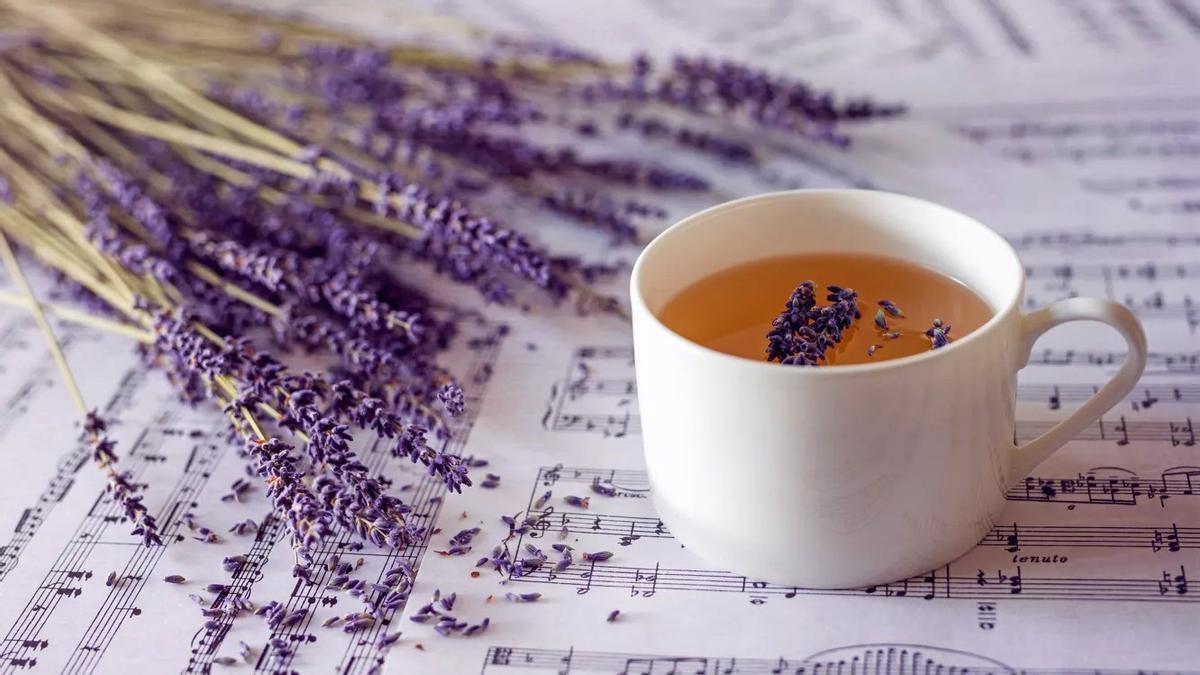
<point x="1071" y="127"/>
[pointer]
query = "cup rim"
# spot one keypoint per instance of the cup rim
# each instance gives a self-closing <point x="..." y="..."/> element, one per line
<point x="639" y="302"/>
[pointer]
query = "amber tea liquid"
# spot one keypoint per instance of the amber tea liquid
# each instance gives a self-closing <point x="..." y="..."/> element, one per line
<point x="732" y="310"/>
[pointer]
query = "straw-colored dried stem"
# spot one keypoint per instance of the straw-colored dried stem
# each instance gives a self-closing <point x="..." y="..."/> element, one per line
<point x="78" y="316"/>
<point x="39" y="317"/>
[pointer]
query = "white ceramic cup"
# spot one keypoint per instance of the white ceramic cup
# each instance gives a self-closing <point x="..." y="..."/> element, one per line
<point x="852" y="475"/>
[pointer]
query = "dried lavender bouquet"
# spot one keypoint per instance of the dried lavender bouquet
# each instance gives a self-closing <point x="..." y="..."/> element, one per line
<point x="206" y="183"/>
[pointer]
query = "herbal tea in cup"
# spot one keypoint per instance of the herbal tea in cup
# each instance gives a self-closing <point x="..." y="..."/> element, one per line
<point x="787" y="309"/>
<point x="892" y="456"/>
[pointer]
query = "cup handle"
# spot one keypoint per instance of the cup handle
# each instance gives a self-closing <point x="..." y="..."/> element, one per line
<point x="1033" y="325"/>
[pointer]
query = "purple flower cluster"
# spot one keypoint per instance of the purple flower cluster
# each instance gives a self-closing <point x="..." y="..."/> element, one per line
<point x="723" y="88"/>
<point x="438" y="609"/>
<point x="277" y="616"/>
<point x="938" y="334"/>
<point x="387" y="595"/>
<point x="343" y="492"/>
<point x="132" y="254"/>
<point x="310" y="521"/>
<point x="802" y="333"/>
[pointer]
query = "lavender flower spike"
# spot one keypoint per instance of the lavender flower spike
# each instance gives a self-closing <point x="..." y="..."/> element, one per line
<point x="120" y="487"/>
<point x="802" y="333"/>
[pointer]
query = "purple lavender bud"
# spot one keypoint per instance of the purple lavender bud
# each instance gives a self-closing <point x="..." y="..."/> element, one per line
<point x="581" y="502"/>
<point x="357" y="622"/>
<point x="522" y="597"/>
<point x="386" y="640"/>
<point x="244" y="527"/>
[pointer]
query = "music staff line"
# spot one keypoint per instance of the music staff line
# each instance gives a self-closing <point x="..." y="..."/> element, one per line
<point x="1170" y="585"/>
<point x="1108" y="486"/>
<point x="1084" y="239"/>
<point x="873" y="659"/>
<point x="1147" y="271"/>
<point x="1012" y="537"/>
<point x="1120" y="431"/>
<point x="1053" y="395"/>
<point x="1153" y="307"/>
<point x="1170" y="361"/>
<point x="648" y="580"/>
<point x="39" y="377"/>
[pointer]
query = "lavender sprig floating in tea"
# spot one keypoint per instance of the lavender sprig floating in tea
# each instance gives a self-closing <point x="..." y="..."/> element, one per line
<point x="803" y="332"/>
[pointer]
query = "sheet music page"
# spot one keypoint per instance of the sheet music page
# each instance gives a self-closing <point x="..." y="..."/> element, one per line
<point x="1094" y="565"/>
<point x="78" y="595"/>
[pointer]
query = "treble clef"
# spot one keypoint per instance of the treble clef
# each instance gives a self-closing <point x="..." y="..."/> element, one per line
<point x="542" y="523"/>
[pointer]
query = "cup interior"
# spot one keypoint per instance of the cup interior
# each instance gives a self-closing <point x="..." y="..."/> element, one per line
<point x="815" y="221"/>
